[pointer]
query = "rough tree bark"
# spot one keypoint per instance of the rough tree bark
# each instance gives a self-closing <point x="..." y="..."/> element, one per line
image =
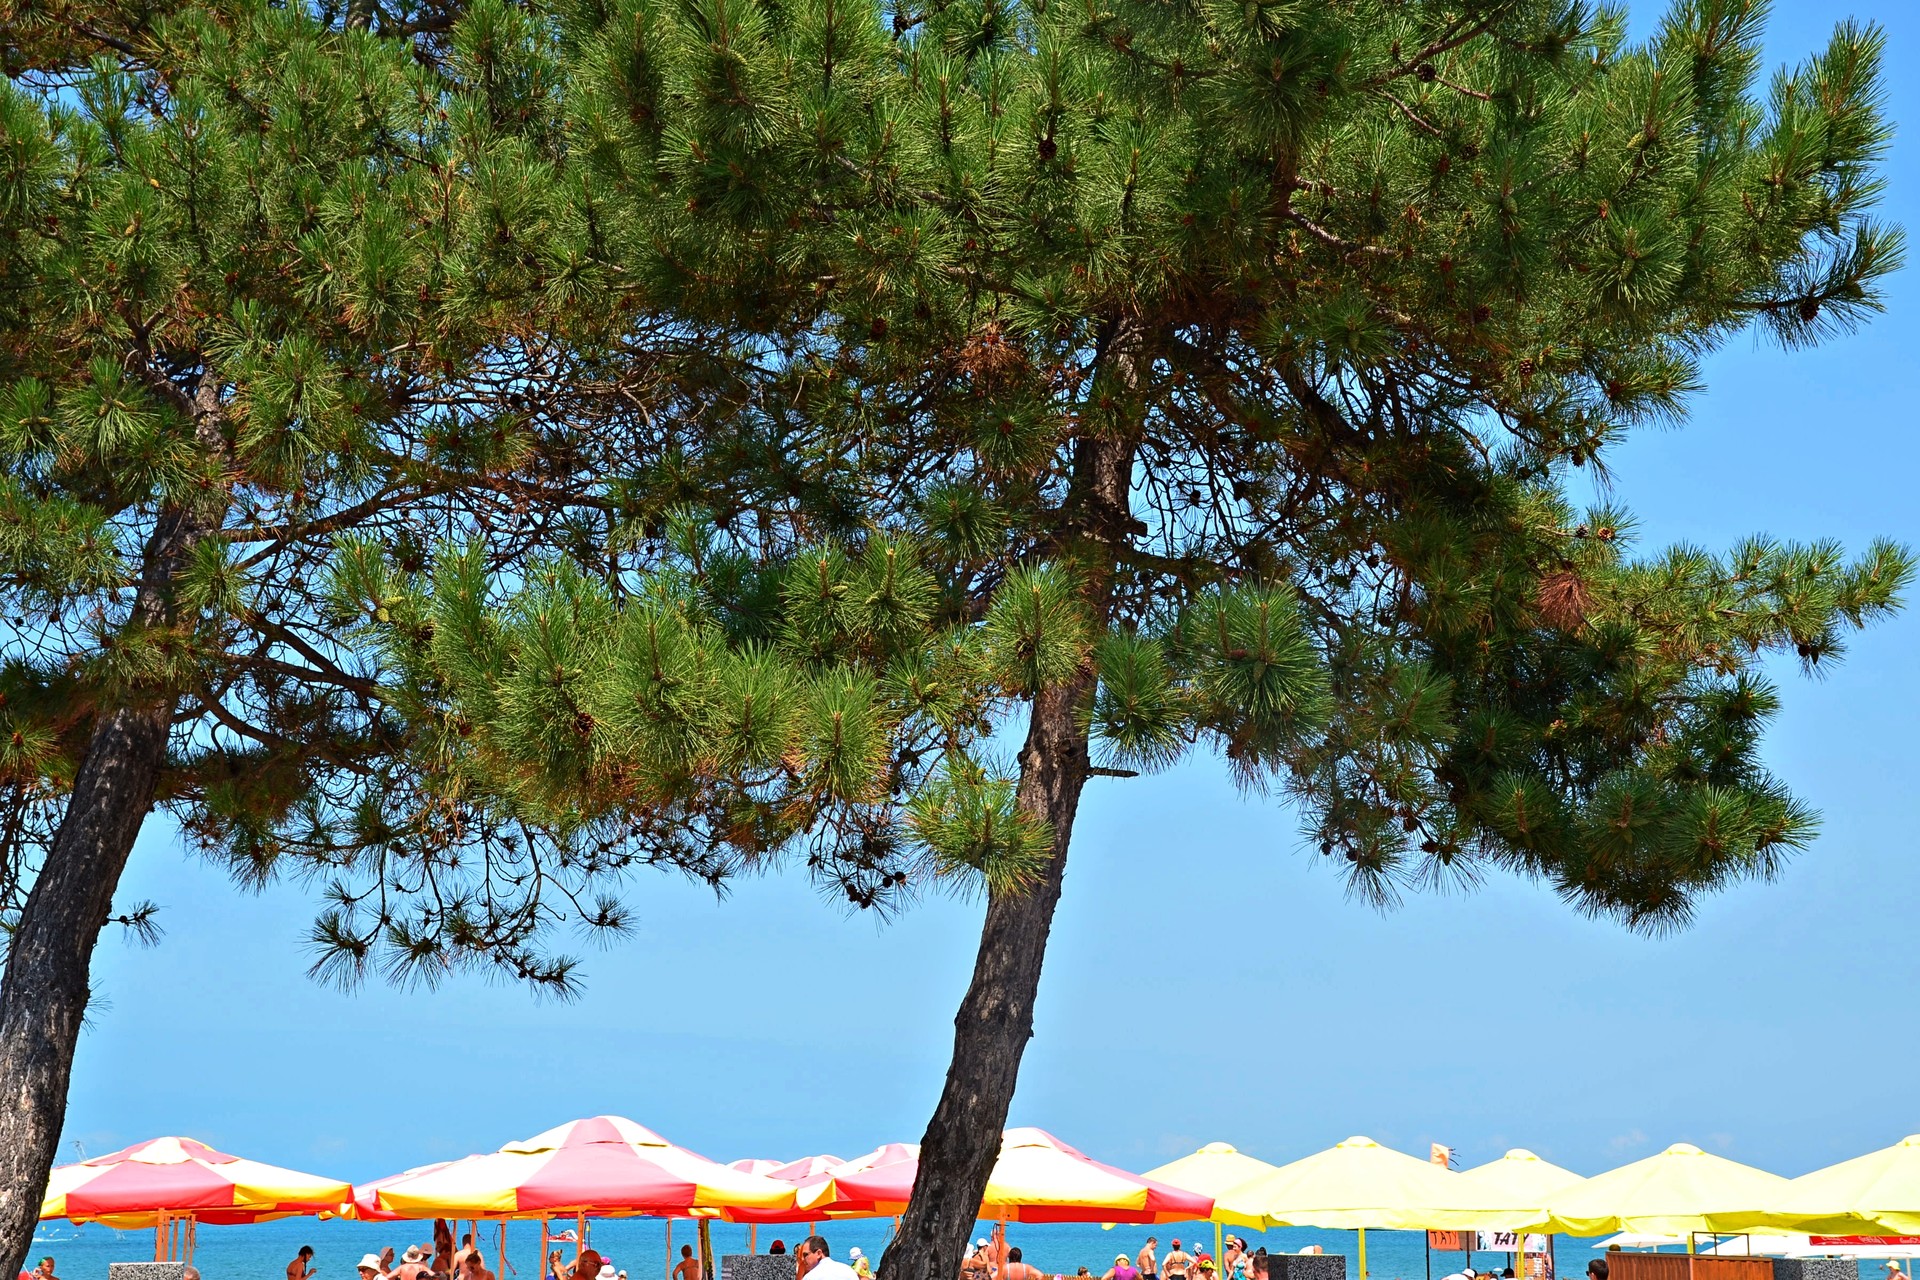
<point x="43" y="993"/>
<point x="995" y="1020"/>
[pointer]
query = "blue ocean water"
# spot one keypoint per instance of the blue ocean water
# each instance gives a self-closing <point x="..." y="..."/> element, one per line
<point x="639" y="1246"/>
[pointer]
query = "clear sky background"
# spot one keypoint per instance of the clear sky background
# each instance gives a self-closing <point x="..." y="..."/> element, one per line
<point x="1206" y="980"/>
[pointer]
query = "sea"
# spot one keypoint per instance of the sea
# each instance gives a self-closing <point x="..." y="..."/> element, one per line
<point x="639" y="1246"/>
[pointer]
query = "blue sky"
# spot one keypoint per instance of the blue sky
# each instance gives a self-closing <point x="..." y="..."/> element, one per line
<point x="1206" y="980"/>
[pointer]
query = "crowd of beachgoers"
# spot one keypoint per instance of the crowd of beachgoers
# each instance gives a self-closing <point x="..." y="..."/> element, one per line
<point x="440" y="1259"/>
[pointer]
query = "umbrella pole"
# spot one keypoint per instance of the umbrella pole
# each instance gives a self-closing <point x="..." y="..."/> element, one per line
<point x="579" y="1235"/>
<point x="753" y="1237"/>
<point x="1429" y="1255"/>
<point x="669" y="1247"/>
<point x="1219" y="1256"/>
<point x="546" y="1247"/>
<point x="1363" y="1254"/>
<point x="500" y="1254"/>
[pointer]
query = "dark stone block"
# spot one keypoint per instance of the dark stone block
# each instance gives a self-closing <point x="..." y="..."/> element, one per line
<point x="758" y="1266"/>
<point x="1306" y="1266"/>
<point x="146" y="1270"/>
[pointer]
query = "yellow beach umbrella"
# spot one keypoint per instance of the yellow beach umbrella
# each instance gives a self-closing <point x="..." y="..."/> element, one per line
<point x="1361" y="1184"/>
<point x="1524" y="1175"/>
<point x="1678" y="1191"/>
<point x="1877" y="1194"/>
<point x="1218" y="1170"/>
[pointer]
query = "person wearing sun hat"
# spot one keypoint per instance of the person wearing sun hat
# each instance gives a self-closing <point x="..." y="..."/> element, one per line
<point x="858" y="1261"/>
<point x="1122" y="1269"/>
<point x="369" y="1267"/>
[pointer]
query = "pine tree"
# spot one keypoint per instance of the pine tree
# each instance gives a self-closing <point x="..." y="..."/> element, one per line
<point x="284" y="300"/>
<point x="1123" y="378"/>
<point x="729" y="432"/>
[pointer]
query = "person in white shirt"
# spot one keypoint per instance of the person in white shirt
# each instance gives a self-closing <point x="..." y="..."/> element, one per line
<point x="816" y="1264"/>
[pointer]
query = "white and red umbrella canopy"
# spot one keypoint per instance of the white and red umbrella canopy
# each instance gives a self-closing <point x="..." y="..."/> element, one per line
<point x="137" y="1186"/>
<point x="365" y="1205"/>
<point x="807" y="1169"/>
<point x="603" y="1166"/>
<point x="764" y="1168"/>
<point x="1037" y="1178"/>
<point x="813" y="1177"/>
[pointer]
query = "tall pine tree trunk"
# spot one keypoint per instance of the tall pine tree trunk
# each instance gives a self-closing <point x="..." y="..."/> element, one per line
<point x="995" y="1021"/>
<point x="43" y="992"/>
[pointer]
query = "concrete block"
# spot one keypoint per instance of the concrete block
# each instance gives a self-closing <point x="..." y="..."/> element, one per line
<point x="758" y="1266"/>
<point x="146" y="1270"/>
<point x="1306" y="1266"/>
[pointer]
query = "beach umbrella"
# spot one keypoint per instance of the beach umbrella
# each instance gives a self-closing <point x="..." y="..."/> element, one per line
<point x="365" y="1205"/>
<point x="604" y="1166"/>
<point x="1877" y="1194"/>
<point x="1036" y="1178"/>
<point x="172" y="1184"/>
<point x="806" y="1174"/>
<point x="1361" y="1185"/>
<point x="135" y="1186"/>
<point x="1219" y="1171"/>
<point x="1676" y="1192"/>
<point x="1860" y="1247"/>
<point x="812" y="1179"/>
<point x="1523" y="1175"/>
<point x="807" y="1170"/>
<point x="1759" y="1245"/>
<point x="764" y="1168"/>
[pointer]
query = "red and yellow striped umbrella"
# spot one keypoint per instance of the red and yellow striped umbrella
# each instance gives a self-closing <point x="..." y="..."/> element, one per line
<point x="605" y="1166"/>
<point x="151" y="1181"/>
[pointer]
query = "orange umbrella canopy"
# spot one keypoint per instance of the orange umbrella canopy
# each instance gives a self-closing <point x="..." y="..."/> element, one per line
<point x="135" y="1186"/>
<point x="607" y="1165"/>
